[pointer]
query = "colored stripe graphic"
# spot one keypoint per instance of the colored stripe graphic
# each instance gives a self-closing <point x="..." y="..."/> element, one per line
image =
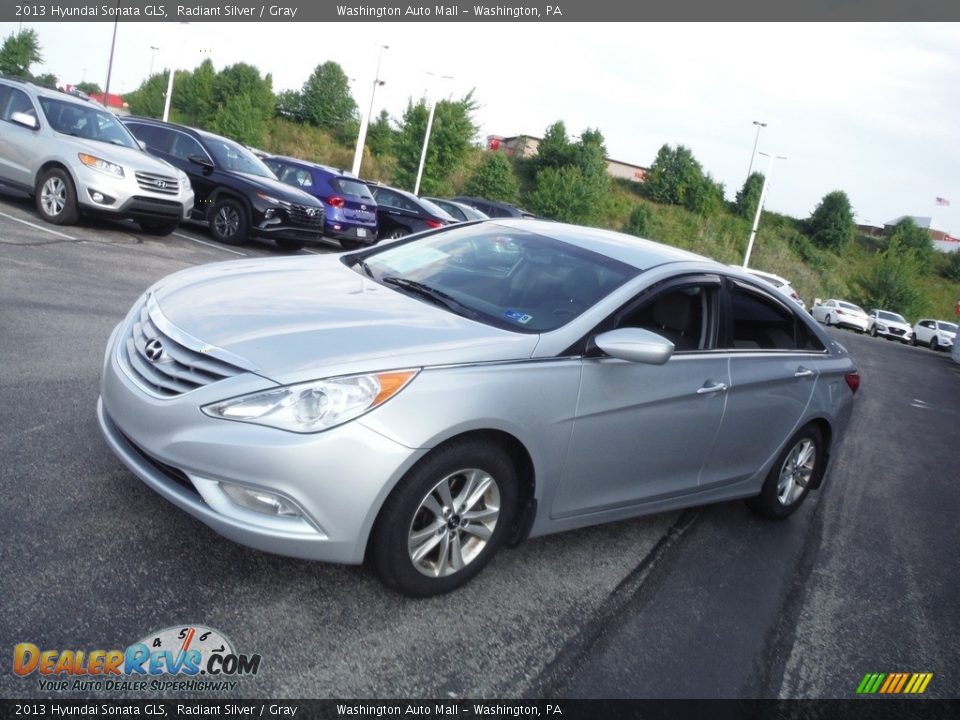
<point x="894" y="683"/>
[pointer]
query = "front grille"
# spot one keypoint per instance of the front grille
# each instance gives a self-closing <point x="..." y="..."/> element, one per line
<point x="300" y="215"/>
<point x="163" y="184"/>
<point x="167" y="367"/>
<point x="896" y="331"/>
<point x="173" y="473"/>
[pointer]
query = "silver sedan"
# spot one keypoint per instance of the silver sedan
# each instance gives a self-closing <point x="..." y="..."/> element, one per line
<point x="422" y="403"/>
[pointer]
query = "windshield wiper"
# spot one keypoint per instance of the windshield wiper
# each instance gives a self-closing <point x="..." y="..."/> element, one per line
<point x="366" y="268"/>
<point x="431" y="293"/>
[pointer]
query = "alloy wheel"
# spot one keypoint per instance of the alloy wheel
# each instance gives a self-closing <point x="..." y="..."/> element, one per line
<point x="227" y="221"/>
<point x="454" y="522"/>
<point x="53" y="196"/>
<point x="796" y="471"/>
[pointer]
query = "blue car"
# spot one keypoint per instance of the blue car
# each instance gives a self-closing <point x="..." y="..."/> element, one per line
<point x="351" y="211"/>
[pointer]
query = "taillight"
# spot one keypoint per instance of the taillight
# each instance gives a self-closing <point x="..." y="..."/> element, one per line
<point x="434" y="224"/>
<point x="853" y="381"/>
<point x="336" y="201"/>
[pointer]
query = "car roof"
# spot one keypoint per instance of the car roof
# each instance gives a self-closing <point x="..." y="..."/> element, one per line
<point x="41" y="91"/>
<point x="312" y="165"/>
<point x="640" y="253"/>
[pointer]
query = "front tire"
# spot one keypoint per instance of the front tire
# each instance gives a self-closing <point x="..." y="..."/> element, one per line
<point x="913" y="340"/>
<point x="228" y="222"/>
<point x="828" y="320"/>
<point x="873" y="331"/>
<point x="799" y="466"/>
<point x="56" y="197"/>
<point x="445" y="519"/>
<point x="934" y="345"/>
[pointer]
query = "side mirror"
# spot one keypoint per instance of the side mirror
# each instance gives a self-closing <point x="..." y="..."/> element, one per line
<point x="202" y="161"/>
<point x="635" y="345"/>
<point x="25" y="119"/>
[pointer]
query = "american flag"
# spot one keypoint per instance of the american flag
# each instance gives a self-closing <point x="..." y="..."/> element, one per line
<point x="943" y="201"/>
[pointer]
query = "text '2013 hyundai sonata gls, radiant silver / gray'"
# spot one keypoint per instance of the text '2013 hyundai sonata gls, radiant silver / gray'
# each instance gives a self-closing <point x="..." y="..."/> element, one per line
<point x="422" y="403"/>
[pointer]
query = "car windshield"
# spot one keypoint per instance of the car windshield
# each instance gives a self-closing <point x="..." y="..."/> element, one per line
<point x="508" y="278"/>
<point x="436" y="210"/>
<point x="236" y="158"/>
<point x="891" y="316"/>
<point x="948" y="327"/>
<point x="851" y="306"/>
<point x="86" y="121"/>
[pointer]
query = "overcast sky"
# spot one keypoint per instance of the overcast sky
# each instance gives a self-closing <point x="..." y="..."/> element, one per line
<point x="871" y="109"/>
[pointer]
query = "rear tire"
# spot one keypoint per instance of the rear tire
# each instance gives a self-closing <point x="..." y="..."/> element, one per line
<point x="445" y="519"/>
<point x="228" y="222"/>
<point x="800" y="465"/>
<point x="397" y="232"/>
<point x="56" y="197"/>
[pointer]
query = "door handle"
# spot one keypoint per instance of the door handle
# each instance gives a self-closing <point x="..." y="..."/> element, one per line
<point x="803" y="372"/>
<point x="710" y="389"/>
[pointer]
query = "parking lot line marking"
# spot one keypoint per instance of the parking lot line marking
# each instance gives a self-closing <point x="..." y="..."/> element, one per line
<point x="209" y="244"/>
<point x="38" y="227"/>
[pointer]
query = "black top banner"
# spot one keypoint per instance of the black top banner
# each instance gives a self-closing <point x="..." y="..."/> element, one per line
<point x="480" y="11"/>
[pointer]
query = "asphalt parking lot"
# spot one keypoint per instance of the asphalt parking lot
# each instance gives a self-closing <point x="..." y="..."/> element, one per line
<point x="862" y="577"/>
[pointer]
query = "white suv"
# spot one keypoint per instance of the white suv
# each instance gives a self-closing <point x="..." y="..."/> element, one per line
<point x="890" y="325"/>
<point x="76" y="157"/>
<point x="938" y="334"/>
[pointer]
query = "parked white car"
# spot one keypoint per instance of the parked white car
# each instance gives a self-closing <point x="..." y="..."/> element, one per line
<point x="781" y="284"/>
<point x="937" y="334"/>
<point x="890" y="325"/>
<point x="841" y="314"/>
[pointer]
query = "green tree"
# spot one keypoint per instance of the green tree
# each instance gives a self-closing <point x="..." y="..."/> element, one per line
<point x="676" y="178"/>
<point x="381" y="135"/>
<point x="559" y="195"/>
<point x="494" y="179"/>
<point x="47" y="80"/>
<point x="290" y="104"/>
<point x="239" y="119"/>
<point x="326" y="99"/>
<point x="910" y="236"/>
<point x="193" y="95"/>
<point x="639" y="222"/>
<point x="893" y="280"/>
<point x="555" y="149"/>
<point x="831" y="225"/>
<point x="244" y="79"/>
<point x="451" y="139"/>
<point x="18" y="52"/>
<point x="90" y="88"/>
<point x="748" y="197"/>
<point x="148" y="99"/>
<point x="951" y="266"/>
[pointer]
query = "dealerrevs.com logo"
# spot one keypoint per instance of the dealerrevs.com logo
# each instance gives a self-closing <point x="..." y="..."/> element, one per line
<point x="203" y="655"/>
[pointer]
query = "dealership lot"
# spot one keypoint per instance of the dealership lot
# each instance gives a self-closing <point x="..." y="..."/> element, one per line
<point x="860" y="580"/>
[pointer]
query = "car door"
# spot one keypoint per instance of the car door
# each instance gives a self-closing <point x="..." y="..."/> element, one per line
<point x="642" y="432"/>
<point x="924" y="331"/>
<point x="774" y="366"/>
<point x="19" y="145"/>
<point x="393" y="212"/>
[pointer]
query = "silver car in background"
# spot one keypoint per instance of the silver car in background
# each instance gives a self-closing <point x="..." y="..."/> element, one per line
<point x="421" y="403"/>
<point x="75" y="157"/>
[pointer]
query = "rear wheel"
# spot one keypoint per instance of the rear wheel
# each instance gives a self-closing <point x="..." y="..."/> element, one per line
<point x="56" y="197"/>
<point x="397" y="232"/>
<point x="445" y="519"/>
<point x="228" y="222"/>
<point x="799" y="466"/>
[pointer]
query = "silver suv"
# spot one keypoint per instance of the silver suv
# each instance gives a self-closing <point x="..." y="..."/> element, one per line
<point x="75" y="157"/>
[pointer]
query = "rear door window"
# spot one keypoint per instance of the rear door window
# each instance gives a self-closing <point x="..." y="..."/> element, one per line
<point x="758" y="322"/>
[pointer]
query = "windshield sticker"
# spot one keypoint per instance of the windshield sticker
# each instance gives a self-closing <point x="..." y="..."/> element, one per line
<point x="409" y="258"/>
<point x="518" y="316"/>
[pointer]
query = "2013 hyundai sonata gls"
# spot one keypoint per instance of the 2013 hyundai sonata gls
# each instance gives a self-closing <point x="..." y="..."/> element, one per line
<point x="423" y="403"/>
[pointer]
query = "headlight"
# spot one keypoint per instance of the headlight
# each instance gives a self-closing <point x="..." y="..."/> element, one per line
<point x="184" y="181"/>
<point x="104" y="166"/>
<point x="274" y="201"/>
<point x="314" y="406"/>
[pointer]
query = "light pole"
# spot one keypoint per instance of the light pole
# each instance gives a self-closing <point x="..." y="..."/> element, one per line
<point x="365" y="120"/>
<point x="153" y="54"/>
<point x="166" y="102"/>
<point x="113" y="44"/>
<point x="763" y="196"/>
<point x="760" y="126"/>
<point x="426" y="135"/>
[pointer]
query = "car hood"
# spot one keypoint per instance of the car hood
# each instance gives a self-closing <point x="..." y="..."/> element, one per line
<point x="297" y="319"/>
<point x="279" y="190"/>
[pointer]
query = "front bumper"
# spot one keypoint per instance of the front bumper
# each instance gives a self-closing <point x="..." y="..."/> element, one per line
<point x="124" y="198"/>
<point x="345" y="231"/>
<point x="338" y="478"/>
